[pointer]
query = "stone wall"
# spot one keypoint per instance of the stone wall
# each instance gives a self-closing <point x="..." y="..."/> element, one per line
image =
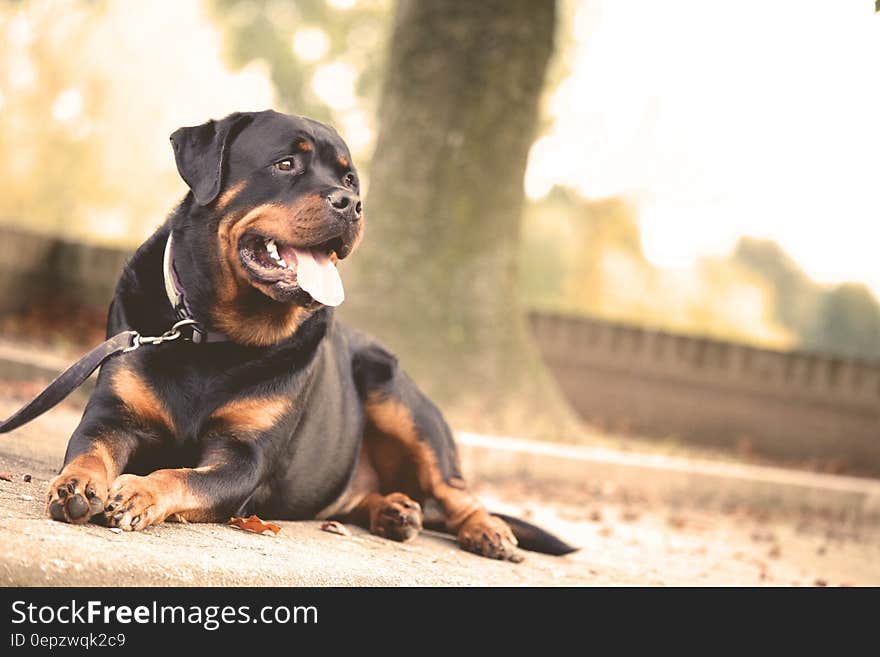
<point x="37" y="268"/>
<point x="791" y="405"/>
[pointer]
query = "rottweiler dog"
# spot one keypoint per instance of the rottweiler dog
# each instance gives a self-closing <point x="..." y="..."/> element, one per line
<point x="267" y="405"/>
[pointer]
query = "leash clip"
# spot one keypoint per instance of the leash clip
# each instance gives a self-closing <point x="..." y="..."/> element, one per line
<point x="171" y="334"/>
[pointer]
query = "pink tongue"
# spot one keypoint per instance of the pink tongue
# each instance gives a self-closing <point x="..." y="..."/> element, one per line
<point x="318" y="276"/>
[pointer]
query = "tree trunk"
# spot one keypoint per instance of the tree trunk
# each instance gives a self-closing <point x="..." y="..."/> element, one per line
<point x="436" y="278"/>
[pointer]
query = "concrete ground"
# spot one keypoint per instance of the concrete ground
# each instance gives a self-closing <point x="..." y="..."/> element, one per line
<point x="631" y="535"/>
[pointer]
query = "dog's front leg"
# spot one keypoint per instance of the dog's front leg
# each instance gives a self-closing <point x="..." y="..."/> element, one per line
<point x="227" y="473"/>
<point x="98" y="451"/>
<point x="81" y="490"/>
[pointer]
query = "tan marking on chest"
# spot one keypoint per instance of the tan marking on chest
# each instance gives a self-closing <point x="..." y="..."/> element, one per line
<point x="254" y="414"/>
<point x="140" y="399"/>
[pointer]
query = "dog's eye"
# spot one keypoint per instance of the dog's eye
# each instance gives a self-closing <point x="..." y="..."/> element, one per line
<point x="285" y="165"/>
<point x="349" y="179"/>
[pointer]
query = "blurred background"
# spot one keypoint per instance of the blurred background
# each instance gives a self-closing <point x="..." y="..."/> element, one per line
<point x="589" y="220"/>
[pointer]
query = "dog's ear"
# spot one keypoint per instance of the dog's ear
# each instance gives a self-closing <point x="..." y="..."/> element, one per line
<point x="200" y="153"/>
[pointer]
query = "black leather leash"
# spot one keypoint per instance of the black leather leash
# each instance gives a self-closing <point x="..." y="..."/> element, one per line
<point x="74" y="376"/>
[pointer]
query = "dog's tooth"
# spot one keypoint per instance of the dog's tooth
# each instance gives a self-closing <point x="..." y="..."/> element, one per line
<point x="272" y="249"/>
<point x="281" y="262"/>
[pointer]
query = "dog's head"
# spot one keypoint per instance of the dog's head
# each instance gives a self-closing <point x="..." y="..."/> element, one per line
<point x="281" y="196"/>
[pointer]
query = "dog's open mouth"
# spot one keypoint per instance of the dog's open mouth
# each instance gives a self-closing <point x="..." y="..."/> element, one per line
<point x="285" y="267"/>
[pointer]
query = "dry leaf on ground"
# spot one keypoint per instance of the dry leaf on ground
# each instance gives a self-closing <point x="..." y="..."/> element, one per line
<point x="254" y="524"/>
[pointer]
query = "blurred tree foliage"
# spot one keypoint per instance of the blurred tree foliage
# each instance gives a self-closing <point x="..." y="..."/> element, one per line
<point x="847" y="322"/>
<point x="583" y="256"/>
<point x="843" y="319"/>
<point x="795" y="298"/>
<point x="88" y="97"/>
<point x="264" y="31"/>
<point x="46" y="162"/>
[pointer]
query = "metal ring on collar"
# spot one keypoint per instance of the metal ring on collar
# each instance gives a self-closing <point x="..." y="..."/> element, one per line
<point x="171" y="334"/>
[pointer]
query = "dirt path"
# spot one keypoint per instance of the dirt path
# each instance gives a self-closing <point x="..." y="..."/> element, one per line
<point x="625" y="542"/>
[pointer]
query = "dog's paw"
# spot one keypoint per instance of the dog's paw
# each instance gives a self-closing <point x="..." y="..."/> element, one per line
<point x="134" y="503"/>
<point x="396" y="517"/>
<point x="489" y="536"/>
<point x="76" y="495"/>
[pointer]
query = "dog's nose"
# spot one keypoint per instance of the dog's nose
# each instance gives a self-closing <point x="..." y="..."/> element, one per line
<point x="345" y="201"/>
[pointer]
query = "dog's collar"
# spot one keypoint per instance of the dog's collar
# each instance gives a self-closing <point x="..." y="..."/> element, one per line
<point x="177" y="298"/>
